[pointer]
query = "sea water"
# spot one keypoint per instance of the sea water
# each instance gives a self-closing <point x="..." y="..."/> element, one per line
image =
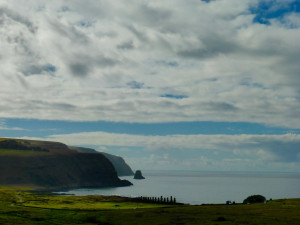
<point x="194" y="187"/>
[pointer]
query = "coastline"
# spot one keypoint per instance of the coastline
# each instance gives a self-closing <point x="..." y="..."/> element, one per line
<point x="23" y="207"/>
<point x="199" y="187"/>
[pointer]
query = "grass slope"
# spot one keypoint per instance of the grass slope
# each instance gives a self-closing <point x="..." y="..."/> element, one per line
<point x="22" y="148"/>
<point x="23" y="207"/>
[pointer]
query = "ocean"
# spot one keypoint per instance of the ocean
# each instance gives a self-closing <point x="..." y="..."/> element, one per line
<point x="195" y="187"/>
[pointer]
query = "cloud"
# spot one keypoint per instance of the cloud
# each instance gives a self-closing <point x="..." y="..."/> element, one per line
<point x="277" y="148"/>
<point x="174" y="96"/>
<point x="221" y="106"/>
<point x="14" y="16"/>
<point x="126" y="45"/>
<point x="195" y="152"/>
<point x="135" y="85"/>
<point x="114" y="61"/>
<point x="79" y="69"/>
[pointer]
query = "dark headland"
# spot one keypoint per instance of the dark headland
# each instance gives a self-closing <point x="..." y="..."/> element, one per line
<point x="53" y="165"/>
<point x="122" y="168"/>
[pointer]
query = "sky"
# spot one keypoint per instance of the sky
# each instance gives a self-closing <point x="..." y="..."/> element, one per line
<point x="172" y="85"/>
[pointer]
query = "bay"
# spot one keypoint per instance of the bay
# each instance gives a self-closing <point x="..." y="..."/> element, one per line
<point x="198" y="187"/>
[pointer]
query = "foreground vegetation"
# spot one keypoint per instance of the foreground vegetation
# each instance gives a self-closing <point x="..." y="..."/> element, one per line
<point x="25" y="207"/>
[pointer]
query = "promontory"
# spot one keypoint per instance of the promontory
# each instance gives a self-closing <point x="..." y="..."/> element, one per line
<point x="53" y="165"/>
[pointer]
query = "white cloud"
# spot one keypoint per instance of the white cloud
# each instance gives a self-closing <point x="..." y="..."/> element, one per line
<point x="195" y="152"/>
<point x="73" y="60"/>
<point x="281" y="148"/>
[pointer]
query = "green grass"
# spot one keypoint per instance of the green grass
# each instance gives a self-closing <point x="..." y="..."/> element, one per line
<point x="22" y="207"/>
<point x="22" y="153"/>
<point x="84" y="203"/>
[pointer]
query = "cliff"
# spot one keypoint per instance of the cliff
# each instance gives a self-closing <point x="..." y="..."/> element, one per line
<point x="53" y="165"/>
<point x="121" y="167"/>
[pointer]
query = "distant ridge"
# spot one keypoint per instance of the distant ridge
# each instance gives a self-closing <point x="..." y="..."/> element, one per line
<point x="122" y="168"/>
<point x="53" y="165"/>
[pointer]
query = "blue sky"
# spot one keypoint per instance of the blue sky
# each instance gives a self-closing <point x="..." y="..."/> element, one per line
<point x="267" y="10"/>
<point x="193" y="85"/>
<point x="44" y="128"/>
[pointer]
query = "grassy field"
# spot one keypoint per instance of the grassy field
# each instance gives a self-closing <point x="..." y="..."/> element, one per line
<point x="23" y="207"/>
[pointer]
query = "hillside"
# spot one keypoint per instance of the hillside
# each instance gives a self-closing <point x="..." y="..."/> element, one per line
<point x="122" y="168"/>
<point x="53" y="165"/>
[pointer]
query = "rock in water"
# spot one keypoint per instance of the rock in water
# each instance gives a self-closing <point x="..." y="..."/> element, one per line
<point x="138" y="175"/>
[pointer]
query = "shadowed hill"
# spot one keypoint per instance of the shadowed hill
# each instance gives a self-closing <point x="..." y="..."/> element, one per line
<point x="53" y="165"/>
<point x="122" y="168"/>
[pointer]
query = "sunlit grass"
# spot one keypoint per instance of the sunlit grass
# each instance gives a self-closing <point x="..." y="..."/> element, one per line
<point x="85" y="203"/>
<point x="20" y="152"/>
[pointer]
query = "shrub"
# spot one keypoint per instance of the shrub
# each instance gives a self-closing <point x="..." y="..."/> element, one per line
<point x="221" y="219"/>
<point x="254" y="199"/>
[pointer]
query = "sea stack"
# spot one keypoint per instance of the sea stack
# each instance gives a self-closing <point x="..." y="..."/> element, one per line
<point x="138" y="175"/>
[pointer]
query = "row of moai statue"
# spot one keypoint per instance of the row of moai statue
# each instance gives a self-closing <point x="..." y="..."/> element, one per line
<point x="161" y="200"/>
